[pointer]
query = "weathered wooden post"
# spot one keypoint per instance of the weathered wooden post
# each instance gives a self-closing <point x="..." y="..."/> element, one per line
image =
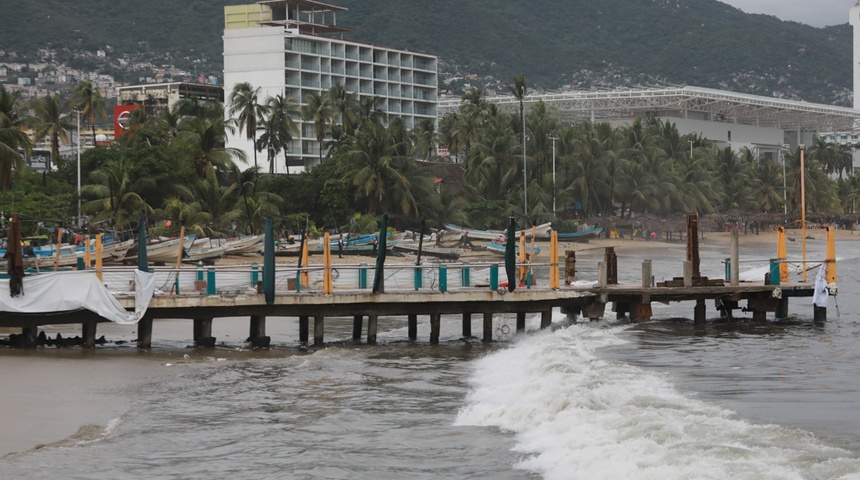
<point x="144" y="332"/>
<point x="569" y="267"/>
<point x="602" y="279"/>
<point x="647" y="275"/>
<point x="488" y="327"/>
<point x="699" y="312"/>
<point x="303" y="329"/>
<point x="467" y="324"/>
<point x="203" y="333"/>
<point x="412" y="326"/>
<point x="735" y="255"/>
<point x="88" y="332"/>
<point x="688" y="273"/>
<point x="545" y="319"/>
<point x="372" y="325"/>
<point x="319" y="330"/>
<point x="357" y="326"/>
<point x="29" y="337"/>
<point x="521" y="322"/>
<point x="611" y="260"/>
<point x="693" y="243"/>
<point x="257" y="335"/>
<point x="435" y="327"/>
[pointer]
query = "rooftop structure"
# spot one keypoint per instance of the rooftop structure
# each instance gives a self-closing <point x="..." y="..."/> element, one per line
<point x="159" y="96"/>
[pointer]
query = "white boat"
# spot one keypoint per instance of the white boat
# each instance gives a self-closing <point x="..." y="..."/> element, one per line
<point x="206" y="254"/>
<point x="163" y="251"/>
<point x="495" y="235"/>
<point x="244" y="245"/>
<point x="111" y="253"/>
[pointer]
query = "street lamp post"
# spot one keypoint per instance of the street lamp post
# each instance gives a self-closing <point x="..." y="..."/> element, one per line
<point x="553" y="138"/>
<point x="784" y="189"/>
<point x="525" y="175"/>
<point x="78" y="111"/>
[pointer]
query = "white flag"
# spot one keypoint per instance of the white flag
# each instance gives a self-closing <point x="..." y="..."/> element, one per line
<point x="819" y="298"/>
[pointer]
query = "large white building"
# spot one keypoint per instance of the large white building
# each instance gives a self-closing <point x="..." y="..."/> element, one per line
<point x="295" y="48"/>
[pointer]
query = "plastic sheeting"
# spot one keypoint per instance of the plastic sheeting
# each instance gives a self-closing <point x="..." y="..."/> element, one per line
<point x="76" y="290"/>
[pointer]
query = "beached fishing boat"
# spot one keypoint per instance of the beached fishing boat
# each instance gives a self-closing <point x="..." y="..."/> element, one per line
<point x="250" y="244"/>
<point x="583" y="236"/>
<point x="430" y="251"/>
<point x="492" y="235"/>
<point x="161" y="251"/>
<point x="208" y="254"/>
<point x="500" y="249"/>
<point x="111" y="253"/>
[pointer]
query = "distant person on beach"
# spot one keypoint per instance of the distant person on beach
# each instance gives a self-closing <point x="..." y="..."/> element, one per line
<point x="375" y="246"/>
<point x="466" y="242"/>
<point x="340" y="246"/>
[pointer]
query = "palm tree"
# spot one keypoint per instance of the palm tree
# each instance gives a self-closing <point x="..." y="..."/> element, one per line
<point x="51" y="120"/>
<point x="114" y="195"/>
<point x="318" y="110"/>
<point x="89" y="100"/>
<point x="518" y="90"/>
<point x="425" y="137"/>
<point x="280" y="128"/>
<point x="203" y="141"/>
<point x="12" y="138"/>
<point x="343" y="105"/>
<point x="247" y="111"/>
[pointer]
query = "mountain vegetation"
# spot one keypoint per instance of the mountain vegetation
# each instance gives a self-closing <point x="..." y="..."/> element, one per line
<point x="579" y="43"/>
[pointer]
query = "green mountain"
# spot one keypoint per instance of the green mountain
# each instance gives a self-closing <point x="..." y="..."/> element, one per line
<point x="554" y="42"/>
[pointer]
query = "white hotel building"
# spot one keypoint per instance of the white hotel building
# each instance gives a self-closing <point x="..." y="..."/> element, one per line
<point x="295" y="48"/>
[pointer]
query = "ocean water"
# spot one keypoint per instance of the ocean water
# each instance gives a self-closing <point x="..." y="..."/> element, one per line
<point x="662" y="399"/>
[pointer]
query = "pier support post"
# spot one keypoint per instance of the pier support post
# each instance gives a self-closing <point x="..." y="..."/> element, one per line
<point x="144" y="332"/>
<point x="521" y="322"/>
<point x="647" y="275"/>
<point x="467" y="325"/>
<point x="29" y="337"/>
<point x="303" y="329"/>
<point x="357" y="326"/>
<point x="88" y="331"/>
<point x="319" y="331"/>
<point x="569" y="267"/>
<point x="594" y="311"/>
<point x="782" y="308"/>
<point x="699" y="312"/>
<point x="372" y="323"/>
<point x="688" y="273"/>
<point x="412" y="326"/>
<point x="611" y="259"/>
<point x="257" y="335"/>
<point x="545" y="319"/>
<point x="602" y="279"/>
<point x="203" y="333"/>
<point x="640" y="311"/>
<point x="435" y="327"/>
<point x="735" y="258"/>
<point x="759" y="315"/>
<point x="488" y="327"/>
<point x="819" y="314"/>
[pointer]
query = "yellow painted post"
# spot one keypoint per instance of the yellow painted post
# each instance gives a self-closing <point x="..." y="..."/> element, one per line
<point x="99" y="256"/>
<point x="59" y="244"/>
<point x="554" y="276"/>
<point x="782" y="255"/>
<point x="304" y="276"/>
<point x="87" y="258"/>
<point x="523" y="268"/>
<point x="831" y="255"/>
<point x="327" y="283"/>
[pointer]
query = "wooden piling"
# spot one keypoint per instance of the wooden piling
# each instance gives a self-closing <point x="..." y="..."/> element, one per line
<point x="303" y="329"/>
<point x="467" y="325"/>
<point x="412" y="326"/>
<point x="647" y="275"/>
<point x="29" y="337"/>
<point x="435" y="327"/>
<point x="735" y="258"/>
<point x="569" y="267"/>
<point x="203" y="333"/>
<point x="693" y="243"/>
<point x="611" y="260"/>
<point x="88" y="332"/>
<point x="257" y="332"/>
<point x="488" y="327"/>
<point x="521" y="322"/>
<point x="782" y="308"/>
<point x="545" y="319"/>
<point x="319" y="330"/>
<point x="372" y="326"/>
<point x="819" y="314"/>
<point x="357" y="326"/>
<point x="144" y="332"/>
<point x="688" y="273"/>
<point x="699" y="312"/>
<point x="602" y="279"/>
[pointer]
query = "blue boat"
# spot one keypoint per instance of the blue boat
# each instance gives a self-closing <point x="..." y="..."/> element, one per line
<point x="582" y="236"/>
<point x="500" y="249"/>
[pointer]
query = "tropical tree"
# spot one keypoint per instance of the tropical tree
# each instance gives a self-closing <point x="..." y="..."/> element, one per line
<point x="89" y="100"/>
<point x="51" y="120"/>
<point x="114" y="196"/>
<point x="518" y="90"/>
<point x="318" y="110"/>
<point x="12" y="138"/>
<point x="425" y="137"/>
<point x="344" y="106"/>
<point x="247" y="111"/>
<point x="279" y="128"/>
<point x="203" y="142"/>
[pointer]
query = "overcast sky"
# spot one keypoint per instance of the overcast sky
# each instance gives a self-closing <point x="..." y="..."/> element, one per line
<point x="818" y="13"/>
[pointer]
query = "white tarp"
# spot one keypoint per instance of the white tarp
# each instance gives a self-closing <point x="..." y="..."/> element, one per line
<point x="819" y="297"/>
<point x="76" y="290"/>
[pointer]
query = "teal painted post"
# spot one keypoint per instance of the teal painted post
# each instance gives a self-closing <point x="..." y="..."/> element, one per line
<point x="728" y="269"/>
<point x="419" y="279"/>
<point x="529" y="279"/>
<point x="443" y="278"/>
<point x="362" y="275"/>
<point x="269" y="262"/>
<point x="494" y="276"/>
<point x="774" y="271"/>
<point x="255" y="275"/>
<point x="81" y="265"/>
<point x="142" y="262"/>
<point x="466" y="275"/>
<point x="210" y="281"/>
<point x="299" y="281"/>
<point x="199" y="271"/>
<point x="176" y="283"/>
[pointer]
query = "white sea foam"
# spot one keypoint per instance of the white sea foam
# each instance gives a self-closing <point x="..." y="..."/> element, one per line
<point x="576" y="416"/>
